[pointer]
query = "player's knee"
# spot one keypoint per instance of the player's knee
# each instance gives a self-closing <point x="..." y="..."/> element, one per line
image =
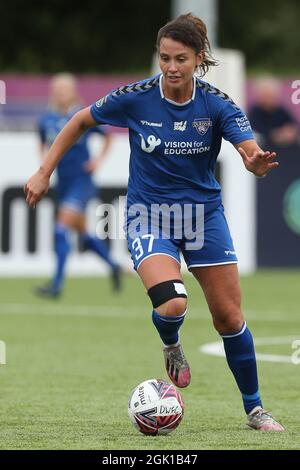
<point x="174" y="307"/>
<point x="228" y="322"/>
<point x="169" y="297"/>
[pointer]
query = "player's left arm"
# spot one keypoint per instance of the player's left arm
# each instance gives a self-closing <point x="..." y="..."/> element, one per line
<point x="97" y="161"/>
<point x="236" y="128"/>
<point x="255" y="159"/>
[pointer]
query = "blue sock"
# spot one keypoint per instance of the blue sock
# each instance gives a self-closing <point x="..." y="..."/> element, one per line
<point x="62" y="249"/>
<point x="100" y="247"/>
<point x="168" y="327"/>
<point x="240" y="355"/>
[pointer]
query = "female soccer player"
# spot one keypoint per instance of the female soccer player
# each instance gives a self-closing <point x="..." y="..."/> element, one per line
<point x="75" y="186"/>
<point x="176" y="122"/>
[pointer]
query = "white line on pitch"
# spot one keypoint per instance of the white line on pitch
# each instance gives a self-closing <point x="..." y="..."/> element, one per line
<point x="129" y="311"/>
<point x="217" y="349"/>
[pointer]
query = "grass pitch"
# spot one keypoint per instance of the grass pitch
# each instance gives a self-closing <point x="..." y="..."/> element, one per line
<point x="72" y="363"/>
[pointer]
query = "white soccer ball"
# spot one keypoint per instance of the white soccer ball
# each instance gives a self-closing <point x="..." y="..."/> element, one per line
<point x="155" y="407"/>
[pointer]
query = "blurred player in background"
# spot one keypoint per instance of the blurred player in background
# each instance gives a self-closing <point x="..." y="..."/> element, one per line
<point x="75" y="186"/>
<point x="176" y="124"/>
<point x="272" y="122"/>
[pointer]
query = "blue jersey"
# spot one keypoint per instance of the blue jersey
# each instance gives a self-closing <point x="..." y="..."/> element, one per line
<point x="174" y="147"/>
<point x="72" y="164"/>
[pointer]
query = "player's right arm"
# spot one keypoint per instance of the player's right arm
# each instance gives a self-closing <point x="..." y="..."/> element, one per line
<point x="108" y="110"/>
<point x="37" y="186"/>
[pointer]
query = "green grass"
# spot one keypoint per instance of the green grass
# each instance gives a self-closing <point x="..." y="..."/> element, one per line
<point x="72" y="363"/>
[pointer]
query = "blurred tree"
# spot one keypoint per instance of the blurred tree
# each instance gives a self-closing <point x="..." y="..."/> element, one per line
<point x="93" y="36"/>
<point x="116" y="36"/>
<point x="266" y="31"/>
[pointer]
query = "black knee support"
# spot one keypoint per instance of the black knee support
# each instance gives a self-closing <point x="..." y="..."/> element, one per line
<point x="164" y="291"/>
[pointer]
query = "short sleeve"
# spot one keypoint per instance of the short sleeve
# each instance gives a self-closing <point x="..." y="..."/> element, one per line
<point x="235" y="126"/>
<point x="109" y="110"/>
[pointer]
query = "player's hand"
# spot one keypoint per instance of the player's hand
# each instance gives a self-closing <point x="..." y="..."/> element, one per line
<point x="90" y="166"/>
<point x="36" y="187"/>
<point x="260" y="162"/>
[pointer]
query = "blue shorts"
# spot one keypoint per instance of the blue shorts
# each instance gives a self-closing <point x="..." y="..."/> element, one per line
<point x="75" y="194"/>
<point x="202" y="237"/>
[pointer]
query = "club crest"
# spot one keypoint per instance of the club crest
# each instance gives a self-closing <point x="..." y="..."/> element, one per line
<point x="202" y="125"/>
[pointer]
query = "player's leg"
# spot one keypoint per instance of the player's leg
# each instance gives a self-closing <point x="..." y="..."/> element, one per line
<point x="162" y="278"/>
<point x="84" y="192"/>
<point x="101" y="248"/>
<point x="67" y="220"/>
<point x="221" y="288"/>
<point x="214" y="266"/>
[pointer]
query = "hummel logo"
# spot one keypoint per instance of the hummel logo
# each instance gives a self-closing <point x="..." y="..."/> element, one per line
<point x="152" y="124"/>
<point x="180" y="126"/>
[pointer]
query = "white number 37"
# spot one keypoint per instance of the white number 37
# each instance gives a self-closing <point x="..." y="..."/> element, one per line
<point x="138" y="247"/>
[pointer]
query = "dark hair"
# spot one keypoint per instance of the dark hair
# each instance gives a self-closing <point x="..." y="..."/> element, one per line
<point x="192" y="32"/>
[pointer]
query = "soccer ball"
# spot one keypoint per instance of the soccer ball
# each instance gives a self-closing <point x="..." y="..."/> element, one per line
<point x="155" y="407"/>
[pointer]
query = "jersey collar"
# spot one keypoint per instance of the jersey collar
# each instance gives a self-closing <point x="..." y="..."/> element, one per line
<point x="174" y="102"/>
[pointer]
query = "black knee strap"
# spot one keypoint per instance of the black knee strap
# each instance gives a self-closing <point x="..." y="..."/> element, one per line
<point x="164" y="291"/>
